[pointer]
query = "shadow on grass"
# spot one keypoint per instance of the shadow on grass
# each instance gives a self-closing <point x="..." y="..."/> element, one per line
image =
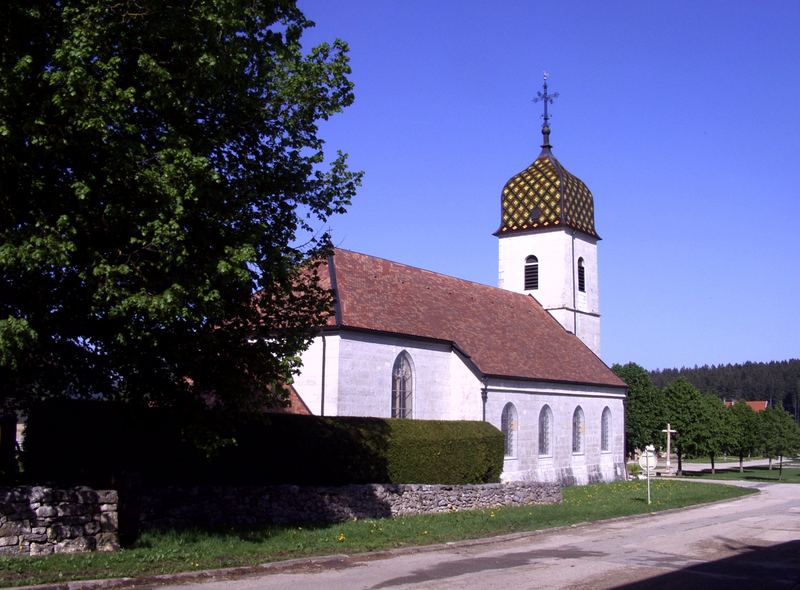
<point x="776" y="566"/>
<point x="756" y="473"/>
<point x="194" y="535"/>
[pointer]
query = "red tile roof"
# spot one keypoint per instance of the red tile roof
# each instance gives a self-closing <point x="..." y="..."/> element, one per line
<point x="758" y="405"/>
<point x="505" y="334"/>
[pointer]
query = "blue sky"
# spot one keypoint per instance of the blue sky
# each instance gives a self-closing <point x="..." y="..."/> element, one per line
<point x="683" y="118"/>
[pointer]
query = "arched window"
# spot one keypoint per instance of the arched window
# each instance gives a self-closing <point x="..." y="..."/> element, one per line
<point x="545" y="431"/>
<point x="581" y="276"/>
<point x="531" y="273"/>
<point x="402" y="386"/>
<point x="508" y="424"/>
<point x="577" y="430"/>
<point x="605" y="430"/>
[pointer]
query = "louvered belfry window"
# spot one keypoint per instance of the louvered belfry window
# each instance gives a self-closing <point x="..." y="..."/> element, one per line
<point x="581" y="276"/>
<point x="531" y="273"/>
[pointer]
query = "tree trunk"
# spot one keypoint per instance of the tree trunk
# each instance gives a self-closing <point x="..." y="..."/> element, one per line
<point x="680" y="463"/>
<point x="770" y="463"/>
<point x="713" y="469"/>
<point x="741" y="462"/>
<point x="780" y="469"/>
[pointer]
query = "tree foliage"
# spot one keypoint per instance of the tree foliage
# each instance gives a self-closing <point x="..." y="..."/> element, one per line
<point x="715" y="429"/>
<point x="684" y="411"/>
<point x="159" y="164"/>
<point x="644" y="408"/>
<point x="780" y="435"/>
<point x="775" y="381"/>
<point x="745" y="434"/>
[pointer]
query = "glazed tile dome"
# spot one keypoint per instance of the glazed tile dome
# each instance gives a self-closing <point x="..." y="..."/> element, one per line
<point x="546" y="196"/>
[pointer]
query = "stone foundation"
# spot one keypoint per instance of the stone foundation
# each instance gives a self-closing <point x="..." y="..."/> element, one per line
<point x="252" y="506"/>
<point x="38" y="520"/>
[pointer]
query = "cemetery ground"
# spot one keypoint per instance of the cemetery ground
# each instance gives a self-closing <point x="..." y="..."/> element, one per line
<point x="168" y="552"/>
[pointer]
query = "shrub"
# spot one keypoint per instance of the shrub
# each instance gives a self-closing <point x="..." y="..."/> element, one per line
<point x="101" y="444"/>
<point x="444" y="452"/>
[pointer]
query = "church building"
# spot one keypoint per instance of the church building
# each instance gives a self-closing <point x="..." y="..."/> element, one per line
<point x="410" y="343"/>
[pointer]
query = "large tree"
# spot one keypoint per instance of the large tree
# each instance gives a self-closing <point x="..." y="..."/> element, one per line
<point x="159" y="166"/>
<point x="644" y="408"/>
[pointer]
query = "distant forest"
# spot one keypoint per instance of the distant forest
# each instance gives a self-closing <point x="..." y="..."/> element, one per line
<point x="776" y="381"/>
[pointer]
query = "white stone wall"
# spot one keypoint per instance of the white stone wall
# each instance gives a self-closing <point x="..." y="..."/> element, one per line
<point x="447" y="387"/>
<point x="440" y="386"/>
<point x="465" y="401"/>
<point x="558" y="252"/>
<point x="358" y="378"/>
<point x="308" y="383"/>
<point x="562" y="465"/>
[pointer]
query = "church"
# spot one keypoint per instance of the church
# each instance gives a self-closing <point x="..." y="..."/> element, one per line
<point x="409" y="343"/>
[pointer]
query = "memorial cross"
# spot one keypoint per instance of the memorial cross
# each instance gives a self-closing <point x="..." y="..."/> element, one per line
<point x="669" y="432"/>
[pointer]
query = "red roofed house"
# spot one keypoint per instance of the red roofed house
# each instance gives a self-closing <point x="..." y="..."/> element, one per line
<point x="755" y="405"/>
<point x="411" y="343"/>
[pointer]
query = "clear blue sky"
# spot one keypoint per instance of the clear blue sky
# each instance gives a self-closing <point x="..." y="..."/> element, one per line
<point x="683" y="118"/>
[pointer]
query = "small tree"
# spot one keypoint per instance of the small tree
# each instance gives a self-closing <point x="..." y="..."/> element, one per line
<point x="644" y="408"/>
<point x="779" y="435"/>
<point x="745" y="435"/>
<point x="716" y="428"/>
<point x="683" y="405"/>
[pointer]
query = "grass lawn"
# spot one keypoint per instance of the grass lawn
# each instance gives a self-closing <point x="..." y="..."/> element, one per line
<point x="720" y="459"/>
<point x="177" y="551"/>
<point x="760" y="473"/>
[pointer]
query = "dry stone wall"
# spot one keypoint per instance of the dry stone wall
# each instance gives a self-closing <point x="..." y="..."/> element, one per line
<point x="37" y="520"/>
<point x="250" y="506"/>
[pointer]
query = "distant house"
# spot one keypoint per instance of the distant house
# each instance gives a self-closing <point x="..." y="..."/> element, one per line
<point x="758" y="406"/>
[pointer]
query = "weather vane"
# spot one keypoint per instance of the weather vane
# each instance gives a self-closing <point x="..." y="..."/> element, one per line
<point x="546" y="99"/>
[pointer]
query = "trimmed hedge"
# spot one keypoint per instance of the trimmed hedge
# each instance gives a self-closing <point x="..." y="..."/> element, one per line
<point x="102" y="444"/>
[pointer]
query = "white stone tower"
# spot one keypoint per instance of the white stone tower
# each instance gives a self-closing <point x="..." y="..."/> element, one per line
<point x="548" y="243"/>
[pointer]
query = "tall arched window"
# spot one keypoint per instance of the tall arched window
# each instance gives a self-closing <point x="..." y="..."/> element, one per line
<point x="605" y="430"/>
<point x="402" y="386"/>
<point x="581" y="276"/>
<point x="531" y="273"/>
<point x="508" y="424"/>
<point x="577" y="430"/>
<point x="545" y="431"/>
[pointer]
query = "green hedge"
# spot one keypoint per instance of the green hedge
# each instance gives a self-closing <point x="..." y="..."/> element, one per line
<point x="100" y="444"/>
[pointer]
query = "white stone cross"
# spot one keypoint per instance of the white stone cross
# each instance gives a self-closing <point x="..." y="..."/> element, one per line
<point x="669" y="432"/>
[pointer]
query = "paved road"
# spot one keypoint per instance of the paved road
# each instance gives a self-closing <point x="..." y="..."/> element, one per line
<point x="752" y="542"/>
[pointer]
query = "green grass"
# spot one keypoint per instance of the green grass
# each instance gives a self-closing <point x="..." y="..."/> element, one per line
<point x="720" y="459"/>
<point x="178" y="551"/>
<point x="760" y="473"/>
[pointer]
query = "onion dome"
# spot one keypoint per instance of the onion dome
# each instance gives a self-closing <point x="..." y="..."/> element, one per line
<point x="544" y="195"/>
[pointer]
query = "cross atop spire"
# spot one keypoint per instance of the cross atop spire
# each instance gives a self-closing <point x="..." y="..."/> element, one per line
<point x="546" y="98"/>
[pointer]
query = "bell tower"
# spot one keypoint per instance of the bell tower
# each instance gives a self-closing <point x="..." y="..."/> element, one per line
<point x="547" y="239"/>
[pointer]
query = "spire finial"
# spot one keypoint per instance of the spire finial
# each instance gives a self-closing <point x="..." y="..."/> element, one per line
<point x="546" y="99"/>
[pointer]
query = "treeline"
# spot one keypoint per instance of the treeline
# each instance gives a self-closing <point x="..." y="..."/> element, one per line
<point x="776" y="381"/>
<point x="705" y="427"/>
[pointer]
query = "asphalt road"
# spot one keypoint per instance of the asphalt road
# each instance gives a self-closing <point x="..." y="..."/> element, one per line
<point x="752" y="542"/>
